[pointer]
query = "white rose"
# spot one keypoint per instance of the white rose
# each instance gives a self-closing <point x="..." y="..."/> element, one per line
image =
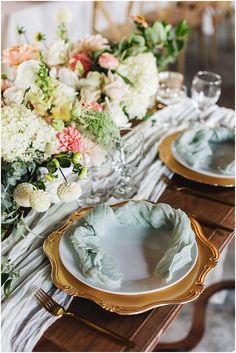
<point x="115" y="87"/>
<point x="68" y="77"/>
<point x="26" y="74"/>
<point x="14" y="95"/>
<point x="90" y="87"/>
<point x="57" y="53"/>
<point x="115" y="111"/>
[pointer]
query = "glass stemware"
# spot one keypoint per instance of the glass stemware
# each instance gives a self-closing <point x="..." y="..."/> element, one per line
<point x="127" y="156"/>
<point x="205" y="91"/>
<point x="98" y="175"/>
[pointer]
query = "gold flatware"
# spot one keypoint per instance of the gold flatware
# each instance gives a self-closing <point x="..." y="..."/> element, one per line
<point x="57" y="310"/>
<point x="190" y="191"/>
<point x="212" y="224"/>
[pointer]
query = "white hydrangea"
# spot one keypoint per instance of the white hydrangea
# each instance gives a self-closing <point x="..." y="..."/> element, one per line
<point x="25" y="136"/>
<point x="141" y="70"/>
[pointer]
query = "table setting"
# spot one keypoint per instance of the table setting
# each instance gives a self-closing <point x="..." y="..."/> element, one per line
<point x="96" y="137"/>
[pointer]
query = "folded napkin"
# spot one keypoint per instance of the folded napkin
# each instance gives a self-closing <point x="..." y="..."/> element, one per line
<point x="100" y="267"/>
<point x="195" y="145"/>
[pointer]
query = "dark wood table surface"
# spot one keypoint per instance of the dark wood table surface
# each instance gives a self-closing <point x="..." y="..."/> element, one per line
<point x="67" y="335"/>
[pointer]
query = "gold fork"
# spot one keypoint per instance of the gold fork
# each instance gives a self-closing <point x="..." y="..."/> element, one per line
<point x="57" y="310"/>
<point x="190" y="191"/>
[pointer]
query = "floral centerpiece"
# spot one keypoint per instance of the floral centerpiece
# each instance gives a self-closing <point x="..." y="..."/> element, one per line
<point x="63" y="104"/>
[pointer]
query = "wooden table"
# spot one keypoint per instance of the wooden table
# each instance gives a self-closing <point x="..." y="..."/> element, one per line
<point x="67" y="335"/>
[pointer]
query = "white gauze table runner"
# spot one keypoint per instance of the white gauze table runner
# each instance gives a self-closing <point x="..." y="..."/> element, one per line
<point x="23" y="320"/>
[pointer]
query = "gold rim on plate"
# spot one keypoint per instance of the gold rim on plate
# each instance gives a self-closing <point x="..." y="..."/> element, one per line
<point x="188" y="289"/>
<point x="169" y="160"/>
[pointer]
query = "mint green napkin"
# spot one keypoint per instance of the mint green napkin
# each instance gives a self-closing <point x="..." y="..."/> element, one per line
<point x="194" y="146"/>
<point x="101" y="267"/>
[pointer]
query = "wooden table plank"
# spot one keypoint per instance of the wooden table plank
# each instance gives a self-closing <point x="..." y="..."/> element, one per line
<point x="145" y="329"/>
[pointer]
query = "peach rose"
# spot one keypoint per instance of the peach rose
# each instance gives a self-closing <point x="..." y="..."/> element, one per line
<point x="108" y="61"/>
<point x="19" y="53"/>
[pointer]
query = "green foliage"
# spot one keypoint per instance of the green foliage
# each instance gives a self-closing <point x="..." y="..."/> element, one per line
<point x="8" y="273"/>
<point x="98" y="126"/>
<point x="62" y="32"/>
<point x="163" y="40"/>
<point x="44" y="81"/>
<point x="12" y="174"/>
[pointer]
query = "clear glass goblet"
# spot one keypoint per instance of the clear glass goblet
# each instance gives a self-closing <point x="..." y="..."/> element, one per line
<point x="127" y="156"/>
<point x="98" y="176"/>
<point x="205" y="91"/>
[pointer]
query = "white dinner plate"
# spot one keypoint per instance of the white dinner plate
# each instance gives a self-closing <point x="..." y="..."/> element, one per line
<point x="223" y="154"/>
<point x="136" y="253"/>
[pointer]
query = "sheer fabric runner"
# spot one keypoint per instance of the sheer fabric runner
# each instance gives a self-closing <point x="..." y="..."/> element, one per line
<point x="23" y="320"/>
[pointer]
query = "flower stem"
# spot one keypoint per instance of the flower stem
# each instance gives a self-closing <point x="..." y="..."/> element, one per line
<point x="63" y="175"/>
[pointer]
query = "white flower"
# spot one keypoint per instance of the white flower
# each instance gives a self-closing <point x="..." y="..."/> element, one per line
<point x="26" y="136"/>
<point x="39" y="200"/>
<point x="68" y="77"/>
<point x="90" y="87"/>
<point x="63" y="99"/>
<point x="63" y="15"/>
<point x="115" y="111"/>
<point x="141" y="70"/>
<point x="26" y="74"/>
<point x="22" y="194"/>
<point x="91" y="43"/>
<point x="14" y="95"/>
<point x="53" y="72"/>
<point x="115" y="87"/>
<point x="68" y="192"/>
<point x="57" y="53"/>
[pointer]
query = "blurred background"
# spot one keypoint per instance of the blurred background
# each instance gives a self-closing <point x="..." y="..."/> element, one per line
<point x="211" y="46"/>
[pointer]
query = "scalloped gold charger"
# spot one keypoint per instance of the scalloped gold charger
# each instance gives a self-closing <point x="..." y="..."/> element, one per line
<point x="167" y="157"/>
<point x="184" y="291"/>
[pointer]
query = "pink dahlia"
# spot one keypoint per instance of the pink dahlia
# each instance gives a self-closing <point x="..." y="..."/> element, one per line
<point x="70" y="140"/>
<point x="19" y="53"/>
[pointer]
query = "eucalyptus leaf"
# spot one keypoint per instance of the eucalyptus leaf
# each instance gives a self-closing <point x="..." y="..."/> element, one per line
<point x="7" y="287"/>
<point x="18" y="230"/>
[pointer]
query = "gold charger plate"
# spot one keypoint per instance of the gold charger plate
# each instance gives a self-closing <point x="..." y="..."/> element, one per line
<point x="188" y="289"/>
<point x="169" y="160"/>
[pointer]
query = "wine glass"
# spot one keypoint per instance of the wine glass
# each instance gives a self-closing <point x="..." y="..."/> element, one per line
<point x="98" y="175"/>
<point x="205" y="91"/>
<point x="171" y="91"/>
<point x="127" y="156"/>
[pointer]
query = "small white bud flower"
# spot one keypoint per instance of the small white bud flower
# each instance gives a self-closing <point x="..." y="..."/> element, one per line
<point x="22" y="194"/>
<point x="68" y="192"/>
<point x="39" y="200"/>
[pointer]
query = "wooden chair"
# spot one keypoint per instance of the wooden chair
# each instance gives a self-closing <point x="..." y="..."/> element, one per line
<point x="198" y="323"/>
<point x="114" y="32"/>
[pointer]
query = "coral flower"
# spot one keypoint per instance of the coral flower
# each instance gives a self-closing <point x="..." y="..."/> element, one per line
<point x="70" y="140"/>
<point x="80" y="63"/>
<point x="17" y="54"/>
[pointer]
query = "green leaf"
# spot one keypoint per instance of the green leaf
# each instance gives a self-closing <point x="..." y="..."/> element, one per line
<point x="7" y="287"/>
<point x="126" y="80"/>
<point x="4" y="277"/>
<point x="64" y="162"/>
<point x="182" y="29"/>
<point x="138" y="40"/>
<point x="40" y="185"/>
<point x="18" y="230"/>
<point x="161" y="31"/>
<point x="179" y="44"/>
